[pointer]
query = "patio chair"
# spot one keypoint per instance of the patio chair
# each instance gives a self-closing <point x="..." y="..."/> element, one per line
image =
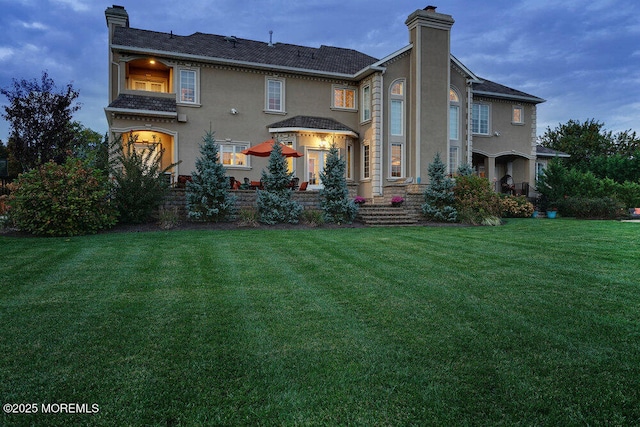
<point x="303" y="186"/>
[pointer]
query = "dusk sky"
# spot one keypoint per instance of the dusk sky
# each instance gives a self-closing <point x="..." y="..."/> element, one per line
<point x="582" y="56"/>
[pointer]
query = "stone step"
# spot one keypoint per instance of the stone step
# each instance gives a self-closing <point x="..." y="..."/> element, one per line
<point x="385" y="215"/>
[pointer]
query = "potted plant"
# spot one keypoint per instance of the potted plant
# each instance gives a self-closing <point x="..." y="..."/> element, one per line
<point x="535" y="212"/>
<point x="552" y="211"/>
<point x="397" y="201"/>
<point x="359" y="200"/>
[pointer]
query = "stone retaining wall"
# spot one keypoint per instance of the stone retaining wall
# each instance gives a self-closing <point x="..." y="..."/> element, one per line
<point x="245" y="199"/>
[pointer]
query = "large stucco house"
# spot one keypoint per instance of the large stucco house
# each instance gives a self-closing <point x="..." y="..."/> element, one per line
<point x="389" y="117"/>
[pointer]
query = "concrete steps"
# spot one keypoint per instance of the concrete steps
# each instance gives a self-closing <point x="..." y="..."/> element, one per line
<point x="385" y="215"/>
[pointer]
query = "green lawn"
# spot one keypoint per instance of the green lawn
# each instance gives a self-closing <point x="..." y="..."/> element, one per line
<point x="536" y="322"/>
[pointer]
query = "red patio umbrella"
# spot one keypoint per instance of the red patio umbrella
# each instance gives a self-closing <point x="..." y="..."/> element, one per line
<point x="264" y="150"/>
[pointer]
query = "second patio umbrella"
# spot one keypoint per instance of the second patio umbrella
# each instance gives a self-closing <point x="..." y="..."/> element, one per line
<point x="264" y="150"/>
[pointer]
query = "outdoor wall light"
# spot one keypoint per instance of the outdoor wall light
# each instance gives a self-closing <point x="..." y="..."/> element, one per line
<point x="234" y="111"/>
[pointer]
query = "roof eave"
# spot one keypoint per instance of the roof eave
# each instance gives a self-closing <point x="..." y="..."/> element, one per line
<point x="533" y="99"/>
<point x="148" y="113"/>
<point x="303" y="129"/>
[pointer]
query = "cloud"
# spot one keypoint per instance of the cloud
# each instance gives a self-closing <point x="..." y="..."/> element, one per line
<point x="34" y="26"/>
<point x="75" y="5"/>
<point x="6" y="53"/>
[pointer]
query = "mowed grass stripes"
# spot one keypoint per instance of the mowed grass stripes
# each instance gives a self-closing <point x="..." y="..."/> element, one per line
<point x="533" y="323"/>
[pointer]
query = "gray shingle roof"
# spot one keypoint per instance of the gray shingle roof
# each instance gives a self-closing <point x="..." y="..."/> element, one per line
<point x="543" y="151"/>
<point x="310" y="122"/>
<point x="493" y="89"/>
<point x="142" y="102"/>
<point x="325" y="58"/>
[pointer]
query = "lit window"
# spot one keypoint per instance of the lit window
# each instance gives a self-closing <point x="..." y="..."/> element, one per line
<point x="344" y="98"/>
<point x="231" y="154"/>
<point x="397" y="89"/>
<point x="480" y="119"/>
<point x="518" y="115"/>
<point x="396" y="160"/>
<point x="187" y="91"/>
<point x="366" y="103"/>
<point x="275" y="95"/>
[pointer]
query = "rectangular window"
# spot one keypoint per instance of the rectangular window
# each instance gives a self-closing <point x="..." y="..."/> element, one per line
<point x="454" y="163"/>
<point x="397" y="108"/>
<point x="344" y="98"/>
<point x="453" y="122"/>
<point x="349" y="161"/>
<point x="231" y="154"/>
<point x="396" y="161"/>
<point x="187" y="84"/>
<point x="518" y="115"/>
<point x="366" y="171"/>
<point x="366" y="103"/>
<point x="275" y="95"/>
<point x="480" y="119"/>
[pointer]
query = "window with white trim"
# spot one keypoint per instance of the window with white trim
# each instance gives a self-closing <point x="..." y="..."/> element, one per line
<point x="396" y="160"/>
<point x="366" y="161"/>
<point x="349" y="160"/>
<point x="454" y="115"/>
<point x="517" y="117"/>
<point x="480" y="119"/>
<point x="396" y="117"/>
<point x="454" y="159"/>
<point x="188" y="87"/>
<point x="231" y="154"/>
<point x="274" y="95"/>
<point x="366" y="103"/>
<point x="344" y="97"/>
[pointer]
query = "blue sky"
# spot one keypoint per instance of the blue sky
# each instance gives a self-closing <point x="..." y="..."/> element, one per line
<point x="582" y="56"/>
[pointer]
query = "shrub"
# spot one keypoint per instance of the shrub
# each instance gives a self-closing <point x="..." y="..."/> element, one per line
<point x="312" y="217"/>
<point x="475" y="201"/>
<point x="139" y="180"/>
<point x="62" y="200"/>
<point x="248" y="218"/>
<point x="168" y="218"/>
<point x="592" y="208"/>
<point x="515" y="206"/>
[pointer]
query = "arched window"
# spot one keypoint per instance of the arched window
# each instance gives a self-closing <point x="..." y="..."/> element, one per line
<point x="454" y="130"/>
<point x="454" y="114"/>
<point x="397" y="130"/>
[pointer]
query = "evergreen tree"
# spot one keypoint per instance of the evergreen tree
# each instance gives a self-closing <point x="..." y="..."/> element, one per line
<point x="465" y="169"/>
<point x="208" y="197"/>
<point x="439" y="197"/>
<point x="336" y="206"/>
<point x="274" y="202"/>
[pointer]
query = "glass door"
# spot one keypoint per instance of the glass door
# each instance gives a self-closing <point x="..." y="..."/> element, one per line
<point x="315" y="165"/>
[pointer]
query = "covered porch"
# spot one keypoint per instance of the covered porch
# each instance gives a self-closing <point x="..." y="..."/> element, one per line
<point x="508" y="173"/>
